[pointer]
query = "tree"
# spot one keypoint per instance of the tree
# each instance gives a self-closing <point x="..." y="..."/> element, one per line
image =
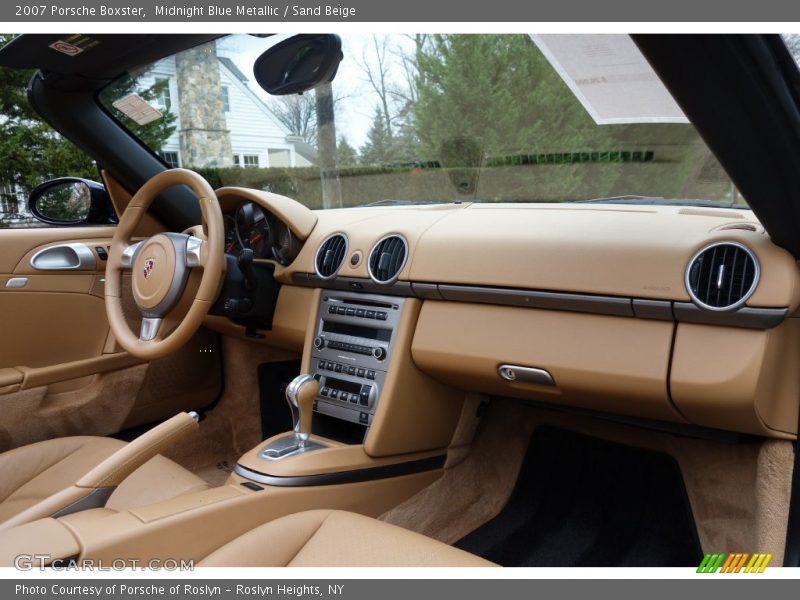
<point x="378" y="147"/>
<point x="392" y="73"/>
<point x="153" y="134"/>
<point x="31" y="152"/>
<point x="377" y="73"/>
<point x="298" y="113"/>
<point x="346" y="155"/>
<point x="498" y="96"/>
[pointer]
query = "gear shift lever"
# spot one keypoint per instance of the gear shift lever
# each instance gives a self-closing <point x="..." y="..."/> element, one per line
<point x="300" y="394"/>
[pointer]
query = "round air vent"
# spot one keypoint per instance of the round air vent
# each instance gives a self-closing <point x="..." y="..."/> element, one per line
<point x="387" y="258"/>
<point x="722" y="276"/>
<point x="330" y="255"/>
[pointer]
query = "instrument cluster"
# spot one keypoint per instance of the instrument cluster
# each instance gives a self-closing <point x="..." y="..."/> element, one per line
<point x="253" y="227"/>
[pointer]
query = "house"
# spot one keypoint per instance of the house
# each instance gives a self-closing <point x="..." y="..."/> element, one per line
<point x="257" y="137"/>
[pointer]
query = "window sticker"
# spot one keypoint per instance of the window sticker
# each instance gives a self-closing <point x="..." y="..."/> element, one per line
<point x="136" y="108"/>
<point x="611" y="78"/>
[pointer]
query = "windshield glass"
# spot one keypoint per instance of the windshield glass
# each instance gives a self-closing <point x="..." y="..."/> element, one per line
<point x="431" y="118"/>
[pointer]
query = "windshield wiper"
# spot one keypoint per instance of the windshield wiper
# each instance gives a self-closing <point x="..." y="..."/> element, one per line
<point x="659" y="201"/>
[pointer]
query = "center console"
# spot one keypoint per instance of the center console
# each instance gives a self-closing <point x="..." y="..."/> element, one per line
<point x="359" y="377"/>
<point x="353" y="344"/>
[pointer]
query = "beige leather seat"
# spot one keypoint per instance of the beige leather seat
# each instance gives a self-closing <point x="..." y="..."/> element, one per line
<point x="333" y="538"/>
<point x="32" y="473"/>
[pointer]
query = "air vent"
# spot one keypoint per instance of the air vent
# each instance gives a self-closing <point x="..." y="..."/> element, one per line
<point x="330" y="255"/>
<point x="387" y="259"/>
<point x="742" y="226"/>
<point x="722" y="276"/>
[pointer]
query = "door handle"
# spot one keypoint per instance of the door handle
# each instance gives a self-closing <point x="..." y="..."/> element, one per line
<point x="64" y="257"/>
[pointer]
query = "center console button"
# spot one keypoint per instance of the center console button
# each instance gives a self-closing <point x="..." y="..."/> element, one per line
<point x="329" y="366"/>
<point x="360" y="372"/>
<point x="338" y="368"/>
<point x="359" y="312"/>
<point x="332" y="310"/>
<point x="334" y="394"/>
<point x="363" y="418"/>
<point x="364" y="396"/>
<point x="319" y="343"/>
<point x="321" y="365"/>
<point x="381" y="316"/>
<point x="370" y="314"/>
<point x="370" y="374"/>
<point x="340" y="310"/>
<point x="325" y="391"/>
<point x="344" y="396"/>
<point x="351" y="370"/>
<point x="351" y="312"/>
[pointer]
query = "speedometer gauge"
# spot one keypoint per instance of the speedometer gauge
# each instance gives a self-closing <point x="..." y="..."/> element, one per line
<point x="253" y="229"/>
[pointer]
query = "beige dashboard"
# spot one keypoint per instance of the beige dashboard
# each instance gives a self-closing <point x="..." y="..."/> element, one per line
<point x="595" y="295"/>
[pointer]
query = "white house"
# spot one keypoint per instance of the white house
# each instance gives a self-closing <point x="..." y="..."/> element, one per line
<point x="258" y="138"/>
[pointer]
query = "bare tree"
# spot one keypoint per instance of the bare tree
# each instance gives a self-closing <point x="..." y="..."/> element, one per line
<point x="298" y="113"/>
<point x="377" y="73"/>
<point x="408" y="61"/>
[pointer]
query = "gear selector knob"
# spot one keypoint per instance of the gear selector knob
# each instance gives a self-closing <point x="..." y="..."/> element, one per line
<point x="300" y="395"/>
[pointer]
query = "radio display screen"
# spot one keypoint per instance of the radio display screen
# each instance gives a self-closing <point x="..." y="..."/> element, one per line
<point x="343" y="386"/>
<point x="371" y="333"/>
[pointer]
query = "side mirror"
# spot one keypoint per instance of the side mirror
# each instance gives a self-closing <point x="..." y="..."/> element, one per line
<point x="71" y="201"/>
<point x="299" y="63"/>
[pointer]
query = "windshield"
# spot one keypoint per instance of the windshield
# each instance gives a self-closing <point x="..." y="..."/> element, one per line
<point x="431" y="118"/>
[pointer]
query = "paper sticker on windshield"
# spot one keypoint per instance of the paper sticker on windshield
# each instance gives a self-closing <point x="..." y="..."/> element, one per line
<point x="74" y="44"/>
<point x="611" y="78"/>
<point x="136" y="108"/>
<point x="65" y="48"/>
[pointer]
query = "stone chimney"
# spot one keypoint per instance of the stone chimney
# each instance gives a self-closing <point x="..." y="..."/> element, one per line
<point x="204" y="138"/>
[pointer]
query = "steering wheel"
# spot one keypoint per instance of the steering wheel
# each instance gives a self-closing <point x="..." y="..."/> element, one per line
<point x="161" y="267"/>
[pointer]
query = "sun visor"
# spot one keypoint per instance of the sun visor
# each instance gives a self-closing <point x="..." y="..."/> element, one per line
<point x="611" y="78"/>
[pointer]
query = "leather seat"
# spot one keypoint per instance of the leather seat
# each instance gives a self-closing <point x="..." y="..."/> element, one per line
<point x="32" y="473"/>
<point x="332" y="538"/>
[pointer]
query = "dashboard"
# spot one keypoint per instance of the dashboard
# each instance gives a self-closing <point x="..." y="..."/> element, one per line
<point x="668" y="314"/>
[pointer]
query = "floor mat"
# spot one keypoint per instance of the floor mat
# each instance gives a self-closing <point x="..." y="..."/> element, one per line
<point x="581" y="501"/>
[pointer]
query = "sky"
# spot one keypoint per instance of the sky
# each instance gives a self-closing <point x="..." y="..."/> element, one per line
<point x="356" y="109"/>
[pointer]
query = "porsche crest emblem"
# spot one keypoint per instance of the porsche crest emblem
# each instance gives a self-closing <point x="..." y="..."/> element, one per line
<point x="149" y="265"/>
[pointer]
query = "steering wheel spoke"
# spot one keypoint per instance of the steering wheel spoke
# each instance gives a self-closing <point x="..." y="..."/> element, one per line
<point x="195" y="251"/>
<point x="149" y="329"/>
<point x="126" y="262"/>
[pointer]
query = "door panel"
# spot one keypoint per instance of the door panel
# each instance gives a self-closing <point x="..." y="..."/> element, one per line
<point x="61" y="371"/>
<point x="50" y="317"/>
<point x="42" y="329"/>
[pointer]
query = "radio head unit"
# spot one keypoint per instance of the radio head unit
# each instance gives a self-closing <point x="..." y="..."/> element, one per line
<point x="353" y="345"/>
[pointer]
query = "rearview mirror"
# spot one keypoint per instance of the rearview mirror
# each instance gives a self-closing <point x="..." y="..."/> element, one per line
<point x="71" y="201"/>
<point x="299" y="63"/>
